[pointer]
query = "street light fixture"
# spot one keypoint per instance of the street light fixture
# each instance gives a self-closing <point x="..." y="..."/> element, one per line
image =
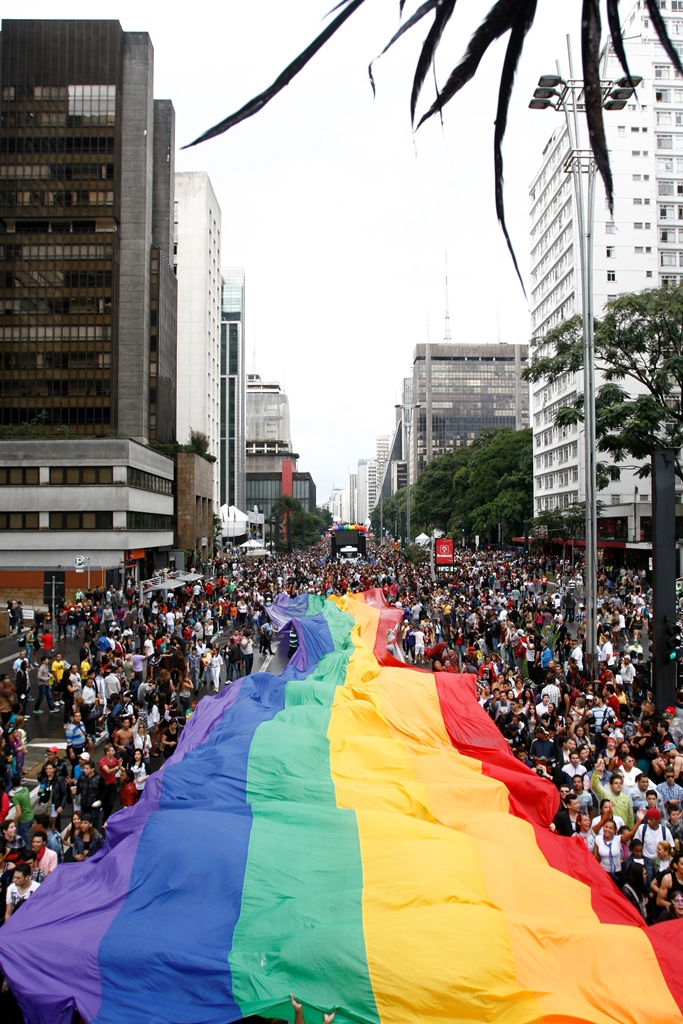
<point x="408" y="420"/>
<point x="567" y="97"/>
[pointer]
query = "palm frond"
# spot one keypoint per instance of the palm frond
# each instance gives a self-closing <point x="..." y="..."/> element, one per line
<point x="513" y="16"/>
<point x="522" y="23"/>
<point x="423" y="9"/>
<point x="614" y="23"/>
<point x="660" y="29"/>
<point x="431" y="45"/>
<point x="290" y="72"/>
<point x="592" y="90"/>
<point x="497" y="22"/>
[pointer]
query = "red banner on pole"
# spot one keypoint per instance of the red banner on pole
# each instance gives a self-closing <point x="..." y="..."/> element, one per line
<point x="444" y="551"/>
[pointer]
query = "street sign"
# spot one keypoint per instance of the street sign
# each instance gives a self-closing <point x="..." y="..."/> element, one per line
<point x="444" y="551"/>
<point x="540" y="531"/>
<point x="79" y="561"/>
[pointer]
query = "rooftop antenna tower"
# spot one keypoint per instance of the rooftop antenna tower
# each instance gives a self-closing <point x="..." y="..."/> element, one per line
<point x="447" y="325"/>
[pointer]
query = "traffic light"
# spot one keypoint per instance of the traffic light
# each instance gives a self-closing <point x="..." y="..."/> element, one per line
<point x="673" y="640"/>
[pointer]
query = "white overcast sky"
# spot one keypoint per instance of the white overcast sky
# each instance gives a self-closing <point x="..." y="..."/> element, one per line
<point x="339" y="214"/>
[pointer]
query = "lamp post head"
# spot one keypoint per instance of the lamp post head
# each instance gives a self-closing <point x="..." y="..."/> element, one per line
<point x="550" y="81"/>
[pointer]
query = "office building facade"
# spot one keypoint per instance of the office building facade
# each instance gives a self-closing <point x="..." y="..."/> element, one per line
<point x="86" y="186"/>
<point x="197" y="246"/>
<point x="233" y="397"/>
<point x="639" y="247"/>
<point x="462" y="390"/>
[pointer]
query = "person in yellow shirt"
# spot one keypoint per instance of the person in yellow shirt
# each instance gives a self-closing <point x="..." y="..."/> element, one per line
<point x="85" y="668"/>
<point x="58" y="669"/>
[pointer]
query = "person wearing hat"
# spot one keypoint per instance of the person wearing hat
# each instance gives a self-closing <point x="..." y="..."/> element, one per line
<point x="58" y="763"/>
<point x="650" y="833"/>
<point x="542" y="745"/>
<point x="669" y="789"/>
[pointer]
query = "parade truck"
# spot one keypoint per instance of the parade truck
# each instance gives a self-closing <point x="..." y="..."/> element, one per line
<point x="348" y="543"/>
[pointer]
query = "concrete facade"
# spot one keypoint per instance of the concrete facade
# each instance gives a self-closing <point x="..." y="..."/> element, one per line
<point x="194" y="503"/>
<point x="197" y="263"/>
<point x="640" y="247"/>
<point x="133" y="493"/>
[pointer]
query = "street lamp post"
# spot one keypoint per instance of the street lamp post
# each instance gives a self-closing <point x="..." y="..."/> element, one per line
<point x="408" y="419"/>
<point x="567" y="97"/>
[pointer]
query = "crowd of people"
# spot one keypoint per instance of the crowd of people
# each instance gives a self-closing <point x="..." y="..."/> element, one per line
<point x="514" y="623"/>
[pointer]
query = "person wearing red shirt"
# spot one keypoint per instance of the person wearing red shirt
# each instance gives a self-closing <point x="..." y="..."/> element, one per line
<point x="108" y="766"/>
<point x="129" y="794"/>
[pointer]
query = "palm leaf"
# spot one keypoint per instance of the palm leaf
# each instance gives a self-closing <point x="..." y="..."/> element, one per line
<point x="660" y="29"/>
<point x="431" y="44"/>
<point x="497" y="22"/>
<point x="290" y="72"/>
<point x="522" y="23"/>
<point x="423" y="9"/>
<point x="615" y="34"/>
<point x="590" y="52"/>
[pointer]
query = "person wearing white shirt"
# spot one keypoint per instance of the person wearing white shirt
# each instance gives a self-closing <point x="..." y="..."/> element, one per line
<point x="215" y="667"/>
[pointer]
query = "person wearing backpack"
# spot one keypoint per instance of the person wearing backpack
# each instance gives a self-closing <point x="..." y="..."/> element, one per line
<point x="650" y="833"/>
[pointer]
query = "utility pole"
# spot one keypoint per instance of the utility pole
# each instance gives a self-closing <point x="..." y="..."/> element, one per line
<point x="666" y="633"/>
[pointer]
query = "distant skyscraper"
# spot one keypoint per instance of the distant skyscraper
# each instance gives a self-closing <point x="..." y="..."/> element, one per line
<point x="198" y="260"/>
<point x="471" y="387"/>
<point x="232" y="459"/>
<point x="350" y="499"/>
<point x="88" y="335"/>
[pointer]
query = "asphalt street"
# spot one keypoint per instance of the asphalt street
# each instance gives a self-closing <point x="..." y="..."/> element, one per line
<point x="47" y="729"/>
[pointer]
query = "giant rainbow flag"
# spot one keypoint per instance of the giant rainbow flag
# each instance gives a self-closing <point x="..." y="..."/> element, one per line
<point x="355" y="832"/>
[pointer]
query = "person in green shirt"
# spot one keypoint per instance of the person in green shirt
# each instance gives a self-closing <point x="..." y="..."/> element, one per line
<point x="623" y="805"/>
<point x="21" y="798"/>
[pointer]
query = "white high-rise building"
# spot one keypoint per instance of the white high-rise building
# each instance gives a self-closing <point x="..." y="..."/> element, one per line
<point x="382" y="449"/>
<point x="350" y="499"/>
<point x="197" y="245"/>
<point x="335" y="503"/>
<point x="640" y="247"/>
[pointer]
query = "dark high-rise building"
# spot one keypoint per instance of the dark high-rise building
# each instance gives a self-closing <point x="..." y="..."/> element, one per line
<point x="87" y="291"/>
<point x="232" y="458"/>
<point x="460" y="390"/>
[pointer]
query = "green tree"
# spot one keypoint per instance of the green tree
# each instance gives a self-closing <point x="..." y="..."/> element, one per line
<point x="305" y="528"/>
<point x="392" y="509"/>
<point x="639" y="354"/>
<point x="471" y="488"/>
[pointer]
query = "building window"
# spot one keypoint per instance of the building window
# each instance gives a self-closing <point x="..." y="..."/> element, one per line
<point x="148" y="521"/>
<point x="665" y="142"/>
<point x="78" y="475"/>
<point x="149" y="481"/>
<point x="668" y="259"/>
<point x="638" y="225"/>
<point x="648" y="273"/>
<point x="638" y="249"/>
<point x="18" y="475"/>
<point x="639" y="202"/>
<point x="81" y="520"/>
<point x="662" y="96"/>
<point x="19" y="521"/>
<point x="663" y="71"/>
<point x="611" y="275"/>
<point x="610" y="252"/>
<point x="610" y="228"/>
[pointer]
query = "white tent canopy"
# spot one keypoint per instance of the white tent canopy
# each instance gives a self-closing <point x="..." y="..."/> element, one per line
<point x="233" y="522"/>
<point x="422" y="539"/>
<point x="251" y="544"/>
